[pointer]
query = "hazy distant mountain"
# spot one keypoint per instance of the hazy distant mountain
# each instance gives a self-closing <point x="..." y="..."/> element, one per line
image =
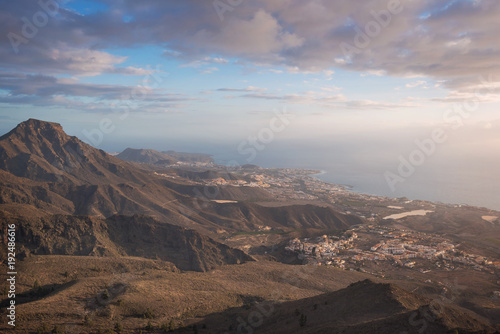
<point x="190" y="157"/>
<point x="146" y="156"/>
<point x="250" y="167"/>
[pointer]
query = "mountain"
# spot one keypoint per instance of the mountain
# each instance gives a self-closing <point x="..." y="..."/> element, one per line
<point x="100" y="241"/>
<point x="42" y="151"/>
<point x="248" y="215"/>
<point x="146" y="156"/>
<point x="139" y="236"/>
<point x="45" y="171"/>
<point x="42" y="167"/>
<point x="362" y="307"/>
<point x="196" y="175"/>
<point x="190" y="157"/>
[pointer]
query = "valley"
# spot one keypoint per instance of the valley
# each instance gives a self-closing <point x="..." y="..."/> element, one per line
<point x="172" y="242"/>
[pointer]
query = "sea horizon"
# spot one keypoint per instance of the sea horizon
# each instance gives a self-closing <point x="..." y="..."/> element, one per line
<point x="425" y="186"/>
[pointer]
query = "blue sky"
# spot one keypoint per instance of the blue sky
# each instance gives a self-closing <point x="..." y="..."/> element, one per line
<point x="204" y="76"/>
<point x="212" y="64"/>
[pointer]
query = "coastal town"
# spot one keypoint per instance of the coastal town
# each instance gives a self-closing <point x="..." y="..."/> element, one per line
<point x="288" y="184"/>
<point x="387" y="241"/>
<point x="363" y="245"/>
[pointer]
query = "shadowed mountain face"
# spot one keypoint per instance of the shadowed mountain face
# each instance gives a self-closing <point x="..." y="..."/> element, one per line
<point x="139" y="236"/>
<point x="362" y="307"/>
<point x="79" y="204"/>
<point x="44" y="168"/>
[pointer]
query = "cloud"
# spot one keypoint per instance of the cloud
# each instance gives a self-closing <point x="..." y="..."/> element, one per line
<point x="377" y="73"/>
<point x="64" y="43"/>
<point x="331" y="89"/>
<point x="248" y="89"/>
<point x="266" y="96"/>
<point x="272" y="70"/>
<point x="44" y="86"/>
<point x="217" y="60"/>
<point x="377" y="105"/>
<point x="196" y="63"/>
<point x="416" y="84"/>
<point x="42" y="90"/>
<point x="259" y="36"/>
<point x="328" y="101"/>
<point x="209" y="70"/>
<point x="451" y="40"/>
<point x="64" y="59"/>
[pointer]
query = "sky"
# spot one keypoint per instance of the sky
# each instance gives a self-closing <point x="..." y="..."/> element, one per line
<point x="362" y="81"/>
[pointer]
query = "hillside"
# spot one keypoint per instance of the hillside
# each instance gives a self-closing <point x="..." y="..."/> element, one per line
<point x="42" y="151"/>
<point x="76" y="302"/>
<point x="139" y="236"/>
<point x="190" y="157"/>
<point x="165" y="248"/>
<point x="362" y="307"/>
<point x="43" y="168"/>
<point x="248" y="216"/>
<point x="146" y="156"/>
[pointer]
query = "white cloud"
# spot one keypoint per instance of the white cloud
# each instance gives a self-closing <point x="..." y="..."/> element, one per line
<point x="416" y="84"/>
<point x="331" y="89"/>
<point x="209" y="70"/>
<point x="248" y="89"/>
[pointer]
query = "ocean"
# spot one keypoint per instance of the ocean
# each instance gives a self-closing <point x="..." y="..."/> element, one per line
<point x="440" y="179"/>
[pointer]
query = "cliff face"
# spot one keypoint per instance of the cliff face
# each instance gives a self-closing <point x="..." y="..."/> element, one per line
<point x="139" y="236"/>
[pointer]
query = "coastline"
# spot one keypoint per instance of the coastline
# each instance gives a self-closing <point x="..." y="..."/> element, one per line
<point x="407" y="196"/>
<point x="429" y="194"/>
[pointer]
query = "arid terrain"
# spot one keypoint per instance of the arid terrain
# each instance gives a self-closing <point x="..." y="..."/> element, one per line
<point x="172" y="242"/>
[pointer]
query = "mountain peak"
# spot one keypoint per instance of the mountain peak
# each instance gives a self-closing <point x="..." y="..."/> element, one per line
<point x="40" y="123"/>
<point x="33" y="123"/>
<point x="42" y="151"/>
<point x="36" y="127"/>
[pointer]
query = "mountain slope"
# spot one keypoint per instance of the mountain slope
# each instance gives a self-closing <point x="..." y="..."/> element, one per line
<point x="362" y="307"/>
<point x="139" y="236"/>
<point x="42" y="151"/>
<point x="146" y="156"/>
<point x="249" y="216"/>
<point x="41" y="167"/>
<point x="190" y="157"/>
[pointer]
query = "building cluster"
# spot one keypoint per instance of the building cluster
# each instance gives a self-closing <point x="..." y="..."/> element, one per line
<point x="399" y="247"/>
<point x="325" y="249"/>
<point x="362" y="244"/>
<point x="283" y="183"/>
<point x="209" y="164"/>
<point x="296" y="184"/>
<point x="222" y="182"/>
